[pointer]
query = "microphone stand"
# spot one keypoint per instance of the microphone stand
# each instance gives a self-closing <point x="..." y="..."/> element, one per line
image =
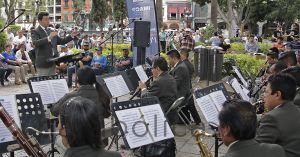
<point x="22" y="12"/>
<point x="112" y="36"/>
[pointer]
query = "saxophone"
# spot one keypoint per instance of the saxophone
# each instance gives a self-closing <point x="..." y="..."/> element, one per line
<point x="204" y="151"/>
<point x="30" y="145"/>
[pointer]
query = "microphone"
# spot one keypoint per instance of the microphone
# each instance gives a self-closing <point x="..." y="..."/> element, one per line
<point x="134" y="19"/>
<point x="23" y="9"/>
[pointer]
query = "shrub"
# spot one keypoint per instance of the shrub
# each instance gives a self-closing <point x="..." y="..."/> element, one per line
<point x="248" y="64"/>
<point x="3" y="37"/>
<point x="237" y="47"/>
<point x="15" y="28"/>
<point x="264" y="47"/>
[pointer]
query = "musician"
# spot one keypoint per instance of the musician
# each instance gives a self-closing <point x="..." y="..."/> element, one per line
<point x="184" y="55"/>
<point x="281" y="125"/>
<point x="80" y="129"/>
<point x="45" y="43"/>
<point x="289" y="58"/>
<point x="237" y="131"/>
<point x="85" y="61"/>
<point x="295" y="72"/>
<point x="163" y="86"/>
<point x="124" y="62"/>
<point x="276" y="68"/>
<point x="86" y="89"/>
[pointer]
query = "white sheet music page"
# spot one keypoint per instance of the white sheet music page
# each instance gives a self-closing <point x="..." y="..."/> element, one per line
<point x="159" y="127"/>
<point x="116" y="86"/>
<point x="141" y="73"/>
<point x="208" y="109"/>
<point x="10" y="105"/>
<point x="43" y="87"/>
<point x="218" y="98"/>
<point x="59" y="88"/>
<point x="239" y="90"/>
<point x="240" y="76"/>
<point x="134" y="127"/>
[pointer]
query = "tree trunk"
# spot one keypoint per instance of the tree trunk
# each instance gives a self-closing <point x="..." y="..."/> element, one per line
<point x="214" y="13"/>
<point x="159" y="13"/>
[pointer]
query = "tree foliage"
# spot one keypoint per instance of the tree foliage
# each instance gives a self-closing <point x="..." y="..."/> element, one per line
<point x="3" y="37"/>
<point x="10" y="9"/>
<point x="100" y="11"/>
<point x="120" y="10"/>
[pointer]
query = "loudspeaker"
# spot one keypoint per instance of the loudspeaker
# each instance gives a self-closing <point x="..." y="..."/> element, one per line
<point x="141" y="35"/>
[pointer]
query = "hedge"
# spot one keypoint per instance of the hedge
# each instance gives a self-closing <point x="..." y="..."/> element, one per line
<point x="240" y="47"/>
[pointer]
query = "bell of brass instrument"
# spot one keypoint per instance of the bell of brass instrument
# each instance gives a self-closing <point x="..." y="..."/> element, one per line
<point x="204" y="151"/>
<point x="30" y="145"/>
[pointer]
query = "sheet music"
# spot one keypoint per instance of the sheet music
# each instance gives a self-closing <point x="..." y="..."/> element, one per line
<point x="134" y="127"/>
<point x="240" y="76"/>
<point x="208" y="109"/>
<point x="43" y="87"/>
<point x="239" y="90"/>
<point x="59" y="88"/>
<point x="10" y="105"/>
<point x="218" y="98"/>
<point x="141" y="73"/>
<point x="158" y="125"/>
<point x="116" y="86"/>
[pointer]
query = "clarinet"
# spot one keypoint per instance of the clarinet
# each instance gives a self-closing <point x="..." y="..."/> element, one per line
<point x="30" y="145"/>
<point x="138" y="91"/>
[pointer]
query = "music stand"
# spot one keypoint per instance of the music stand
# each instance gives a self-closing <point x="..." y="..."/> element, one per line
<point x="31" y="114"/>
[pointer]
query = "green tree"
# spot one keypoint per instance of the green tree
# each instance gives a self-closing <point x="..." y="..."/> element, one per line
<point x="3" y="37"/>
<point x="100" y="11"/>
<point x="120" y="13"/>
<point x="78" y="8"/>
<point x="159" y="13"/>
<point x="10" y="9"/>
<point x="35" y="7"/>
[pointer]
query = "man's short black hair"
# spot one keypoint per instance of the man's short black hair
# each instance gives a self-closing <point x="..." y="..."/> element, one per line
<point x="161" y="63"/>
<point x="284" y="83"/>
<point x="41" y="15"/>
<point x="173" y="54"/>
<point x="273" y="54"/>
<point x="279" y="66"/>
<point x="295" y="72"/>
<point x="81" y="119"/>
<point x="274" y="49"/>
<point x="240" y="116"/>
<point x="288" y="57"/>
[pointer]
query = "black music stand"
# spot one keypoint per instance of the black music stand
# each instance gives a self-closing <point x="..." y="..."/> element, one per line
<point x="32" y="114"/>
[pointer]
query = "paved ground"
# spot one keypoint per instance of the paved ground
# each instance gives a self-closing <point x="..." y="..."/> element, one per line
<point x="186" y="146"/>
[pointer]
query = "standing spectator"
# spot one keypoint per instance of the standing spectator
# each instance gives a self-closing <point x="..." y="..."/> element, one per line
<point x="290" y="33"/>
<point x="94" y="40"/>
<point x="13" y="63"/>
<point x="43" y="40"/>
<point x="187" y="41"/>
<point x="99" y="62"/>
<point x="23" y="57"/>
<point x="277" y="33"/>
<point x="5" y="71"/>
<point x="163" y="39"/>
<point x="86" y="39"/>
<point x="251" y="46"/>
<point x="19" y="39"/>
<point x="101" y="40"/>
<point x="124" y="62"/>
<point x="215" y="40"/>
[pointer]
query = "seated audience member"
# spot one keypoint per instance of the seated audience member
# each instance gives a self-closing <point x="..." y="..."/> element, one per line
<point x="295" y="44"/>
<point x="281" y="125"/>
<point x="226" y="45"/>
<point x="295" y="72"/>
<point x="124" y="62"/>
<point x="5" y="71"/>
<point x="13" y="63"/>
<point x="23" y="57"/>
<point x="86" y="81"/>
<point x="99" y="62"/>
<point x="251" y="46"/>
<point x="85" y="61"/>
<point x="237" y="129"/>
<point x="279" y="44"/>
<point x="80" y="129"/>
<point x="289" y="58"/>
<point x="163" y="86"/>
<point x="62" y="67"/>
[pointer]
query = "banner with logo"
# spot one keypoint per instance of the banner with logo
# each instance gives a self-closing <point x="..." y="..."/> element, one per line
<point x="144" y="9"/>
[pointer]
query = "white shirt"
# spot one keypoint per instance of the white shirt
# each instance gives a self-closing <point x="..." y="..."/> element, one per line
<point x="18" y="41"/>
<point x="10" y="37"/>
<point x="19" y="57"/>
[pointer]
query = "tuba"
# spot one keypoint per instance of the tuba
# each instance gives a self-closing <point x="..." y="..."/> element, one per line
<point x="204" y="151"/>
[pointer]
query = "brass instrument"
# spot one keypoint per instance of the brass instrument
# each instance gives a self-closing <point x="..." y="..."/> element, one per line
<point x="259" y="107"/>
<point x="30" y="145"/>
<point x="204" y="151"/>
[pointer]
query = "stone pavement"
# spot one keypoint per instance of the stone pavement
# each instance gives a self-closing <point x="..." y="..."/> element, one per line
<point x="186" y="146"/>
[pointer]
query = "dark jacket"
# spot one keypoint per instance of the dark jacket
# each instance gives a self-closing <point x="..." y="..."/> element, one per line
<point x="181" y="75"/>
<point x="43" y="48"/>
<point x="86" y="91"/>
<point x="297" y="98"/>
<point x="251" y="148"/>
<point x="87" y="151"/>
<point x="191" y="69"/>
<point x="282" y="126"/>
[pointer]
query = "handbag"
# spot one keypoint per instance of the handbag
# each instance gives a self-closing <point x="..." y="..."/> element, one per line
<point x="166" y="148"/>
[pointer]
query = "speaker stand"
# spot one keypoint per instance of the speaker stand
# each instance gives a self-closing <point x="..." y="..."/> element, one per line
<point x="141" y="55"/>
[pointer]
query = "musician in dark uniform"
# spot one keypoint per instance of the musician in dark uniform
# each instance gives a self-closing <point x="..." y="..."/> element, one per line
<point x="184" y="55"/>
<point x="237" y="131"/>
<point x="295" y="72"/>
<point x="80" y="129"/>
<point x="163" y="86"/>
<point x="124" y="62"/>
